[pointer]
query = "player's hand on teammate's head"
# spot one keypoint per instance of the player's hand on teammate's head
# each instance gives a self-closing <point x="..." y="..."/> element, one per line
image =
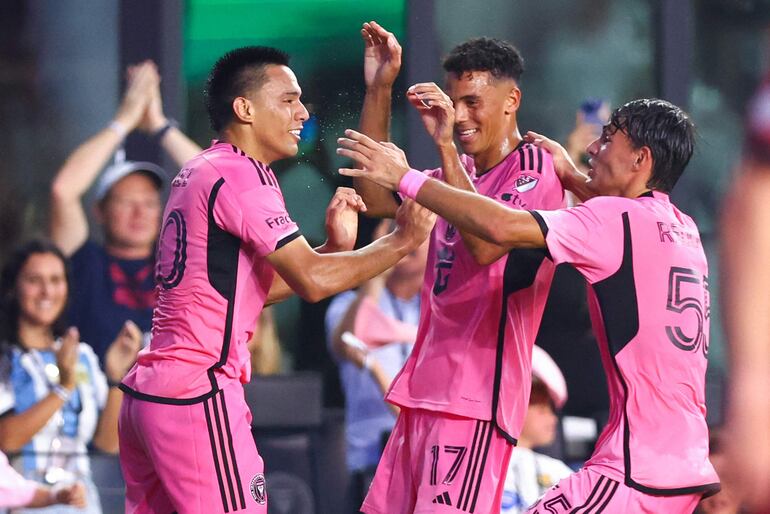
<point x="71" y="494"/>
<point x="342" y="219"/>
<point x="122" y="352"/>
<point x="383" y="163"/>
<point x="562" y="162"/>
<point x="436" y="110"/>
<point x="67" y="357"/>
<point x="382" y="55"/>
<point x="414" y="221"/>
<point x="140" y="80"/>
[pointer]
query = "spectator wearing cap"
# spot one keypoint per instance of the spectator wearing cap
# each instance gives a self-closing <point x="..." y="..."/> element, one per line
<point x="531" y="473"/>
<point x="113" y="281"/>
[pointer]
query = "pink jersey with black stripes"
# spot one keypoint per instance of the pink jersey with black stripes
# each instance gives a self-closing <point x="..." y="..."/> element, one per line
<point x="649" y="303"/>
<point x="478" y="323"/>
<point x="224" y="215"/>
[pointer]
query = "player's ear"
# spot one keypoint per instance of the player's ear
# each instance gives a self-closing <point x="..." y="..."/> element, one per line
<point x="243" y="109"/>
<point x="643" y="158"/>
<point x="513" y="100"/>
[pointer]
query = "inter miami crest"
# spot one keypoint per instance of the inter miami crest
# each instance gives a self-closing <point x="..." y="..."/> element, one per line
<point x="259" y="489"/>
<point x="525" y="183"/>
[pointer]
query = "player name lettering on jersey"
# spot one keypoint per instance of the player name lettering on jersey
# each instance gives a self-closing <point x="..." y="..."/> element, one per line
<point x="278" y="221"/>
<point x="679" y="234"/>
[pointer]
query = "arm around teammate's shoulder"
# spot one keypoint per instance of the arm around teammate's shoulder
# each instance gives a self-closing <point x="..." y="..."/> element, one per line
<point x="315" y="276"/>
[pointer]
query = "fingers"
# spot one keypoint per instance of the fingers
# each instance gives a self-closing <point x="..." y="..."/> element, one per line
<point x="347" y="197"/>
<point x="352" y="172"/>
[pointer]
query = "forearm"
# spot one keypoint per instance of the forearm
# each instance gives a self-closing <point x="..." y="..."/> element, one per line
<point x="576" y="182"/>
<point x="42" y="498"/>
<point x="315" y="277"/>
<point x="481" y="216"/>
<point x="375" y="123"/>
<point x="383" y="382"/>
<point x="106" y="436"/>
<point x="16" y="430"/>
<point x="178" y="146"/>
<point x="456" y="175"/>
<point x="280" y="290"/>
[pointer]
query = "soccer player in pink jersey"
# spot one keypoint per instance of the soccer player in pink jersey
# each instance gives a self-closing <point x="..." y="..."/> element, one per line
<point x="227" y="247"/>
<point x="648" y="297"/>
<point x="464" y="390"/>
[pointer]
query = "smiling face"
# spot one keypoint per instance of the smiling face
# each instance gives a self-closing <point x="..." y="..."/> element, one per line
<point x="278" y="114"/>
<point x="485" y="110"/>
<point x="41" y="290"/>
<point x="612" y="159"/>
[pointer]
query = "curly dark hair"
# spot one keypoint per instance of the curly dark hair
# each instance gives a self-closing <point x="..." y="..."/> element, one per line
<point x="234" y="74"/>
<point x="9" y="302"/>
<point x="662" y="127"/>
<point x="500" y="58"/>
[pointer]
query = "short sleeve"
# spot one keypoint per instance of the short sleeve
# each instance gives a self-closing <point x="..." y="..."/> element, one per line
<point x="589" y="236"/>
<point x="257" y="216"/>
<point x="7" y="396"/>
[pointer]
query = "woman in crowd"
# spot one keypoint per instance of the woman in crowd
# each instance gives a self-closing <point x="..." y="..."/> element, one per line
<point x="55" y="399"/>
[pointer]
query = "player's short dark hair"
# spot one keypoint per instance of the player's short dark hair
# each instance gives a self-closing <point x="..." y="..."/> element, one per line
<point x="540" y="394"/>
<point x="500" y="58"/>
<point x="665" y="129"/>
<point x="235" y="74"/>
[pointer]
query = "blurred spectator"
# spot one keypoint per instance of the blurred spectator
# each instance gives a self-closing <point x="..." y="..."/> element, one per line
<point x="726" y="501"/>
<point x="264" y="346"/>
<point x="16" y="491"/>
<point x="115" y="281"/>
<point x="54" y="397"/>
<point x="589" y="120"/>
<point x="530" y="473"/>
<point x="382" y="316"/>
<point x="746" y="282"/>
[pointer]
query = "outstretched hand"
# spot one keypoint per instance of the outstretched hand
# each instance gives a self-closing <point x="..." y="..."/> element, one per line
<point x="382" y="55"/>
<point x="383" y="163"/>
<point x="342" y="219"/>
<point x="436" y="110"/>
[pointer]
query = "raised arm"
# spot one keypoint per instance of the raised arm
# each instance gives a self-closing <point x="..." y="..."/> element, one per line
<point x="155" y="124"/>
<point x="745" y="280"/>
<point x="438" y="116"/>
<point x="573" y="180"/>
<point x="315" y="276"/>
<point x="68" y="223"/>
<point x="382" y="62"/>
<point x="386" y="164"/>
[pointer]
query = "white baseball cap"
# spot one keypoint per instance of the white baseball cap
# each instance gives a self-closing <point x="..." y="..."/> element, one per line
<point x="122" y="168"/>
<point x="544" y="368"/>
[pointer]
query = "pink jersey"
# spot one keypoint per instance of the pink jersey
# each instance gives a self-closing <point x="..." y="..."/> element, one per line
<point x="224" y="215"/>
<point x="649" y="304"/>
<point x="473" y="353"/>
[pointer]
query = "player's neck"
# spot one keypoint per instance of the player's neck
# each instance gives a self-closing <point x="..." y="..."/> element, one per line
<point x="237" y="136"/>
<point x="496" y="152"/>
<point x="35" y="336"/>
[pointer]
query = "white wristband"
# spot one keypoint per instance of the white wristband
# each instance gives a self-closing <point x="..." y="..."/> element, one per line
<point x="62" y="393"/>
<point x="119" y="128"/>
